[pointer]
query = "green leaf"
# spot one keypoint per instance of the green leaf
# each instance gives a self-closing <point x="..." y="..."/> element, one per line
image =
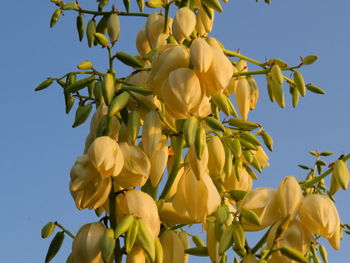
<point x="55" y="246"/>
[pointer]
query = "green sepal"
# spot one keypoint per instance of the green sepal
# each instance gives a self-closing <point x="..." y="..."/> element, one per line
<point x="237" y="195"/>
<point x="124" y="225"/>
<point x="215" y="4"/>
<point x="197" y="241"/>
<point x="250" y="216"/>
<point x="267" y="140"/>
<point x="69" y="102"/>
<point x="131" y="236"/>
<point x="55" y="246"/>
<point x="293" y="254"/>
<point x="200" y="142"/>
<point x="226" y="240"/>
<point x="82" y="114"/>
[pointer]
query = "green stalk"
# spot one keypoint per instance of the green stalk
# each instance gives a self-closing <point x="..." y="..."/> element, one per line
<point x="236" y="54"/>
<point x="102" y="13"/>
<point x="321" y="176"/>
<point x="64" y="230"/>
<point x="167" y="7"/>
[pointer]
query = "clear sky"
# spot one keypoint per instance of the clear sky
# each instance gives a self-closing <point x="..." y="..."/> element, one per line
<point x="38" y="145"/>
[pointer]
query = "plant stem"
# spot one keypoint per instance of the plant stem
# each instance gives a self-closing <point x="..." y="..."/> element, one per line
<point x="321" y="176"/>
<point x="110" y="58"/>
<point x="64" y="230"/>
<point x="236" y="54"/>
<point x="167" y="7"/>
<point x="102" y="13"/>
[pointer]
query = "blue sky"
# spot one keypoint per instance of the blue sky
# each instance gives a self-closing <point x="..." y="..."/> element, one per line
<point x="38" y="145"/>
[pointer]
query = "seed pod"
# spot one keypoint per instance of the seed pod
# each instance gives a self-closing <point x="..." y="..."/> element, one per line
<point x="55" y="17"/>
<point x="299" y="83"/>
<point x="90" y="32"/>
<point x="118" y="103"/>
<point x="47" y="230"/>
<point x="184" y="23"/>
<point x="124" y="225"/>
<point x="107" y="245"/>
<point x="108" y="88"/>
<point x="101" y="39"/>
<point x="189" y="130"/>
<point x="85" y="65"/>
<point x="43" y="85"/>
<point x="82" y="114"/>
<point x="246" y="125"/>
<point x="341" y="173"/>
<point x="128" y="59"/>
<point x="146" y="241"/>
<point x="80" y="27"/>
<point x="113" y="28"/>
<point x="215" y="4"/>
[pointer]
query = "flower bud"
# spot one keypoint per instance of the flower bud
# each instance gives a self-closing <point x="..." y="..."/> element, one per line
<point x="184" y="23"/>
<point x="173" y="248"/>
<point x="142" y="206"/>
<point x="86" y="245"/>
<point x="136" y="255"/>
<point x="151" y="132"/>
<point x="104" y="153"/>
<point x="212" y="242"/>
<point x="319" y="215"/>
<point x="254" y="92"/>
<point x="136" y="167"/>
<point x="250" y="259"/>
<point x="198" y="166"/>
<point x="289" y="196"/>
<point x="216" y="161"/>
<point x="243" y="97"/>
<point x="341" y="173"/>
<point x="201" y="55"/>
<point x="334" y="240"/>
<point x="155" y="26"/>
<point x="262" y="201"/>
<point x="159" y="161"/>
<point x="204" y="23"/>
<point x="181" y="93"/>
<point x="243" y="184"/>
<point x="87" y="187"/>
<point x="142" y="44"/>
<point x="262" y="157"/>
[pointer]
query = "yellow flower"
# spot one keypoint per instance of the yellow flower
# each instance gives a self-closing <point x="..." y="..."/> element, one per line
<point x="244" y="184"/>
<point x="173" y="248"/>
<point x="142" y="206"/>
<point x="216" y="159"/>
<point x="142" y="44"/>
<point x="263" y="202"/>
<point x="289" y="196"/>
<point x="184" y="23"/>
<point x="87" y="187"/>
<point x="136" y="167"/>
<point x="181" y="93"/>
<point x="296" y="236"/>
<point x="319" y="215"/>
<point x="201" y="55"/>
<point x="86" y="247"/>
<point x="154" y="27"/>
<point x="105" y="154"/>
